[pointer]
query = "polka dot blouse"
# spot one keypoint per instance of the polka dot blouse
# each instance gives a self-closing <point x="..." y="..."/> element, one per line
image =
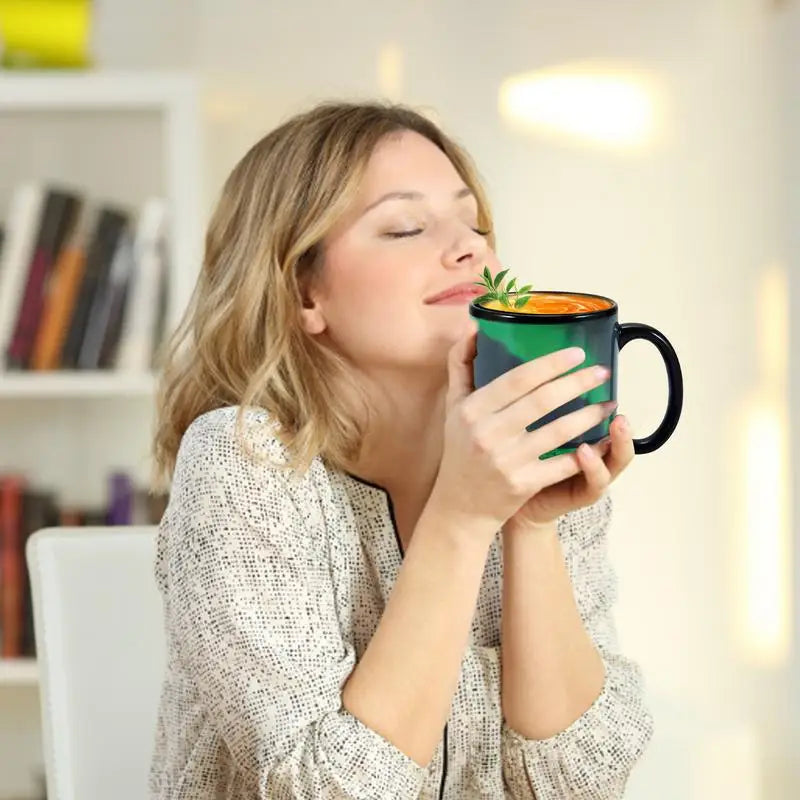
<point x="273" y="585"/>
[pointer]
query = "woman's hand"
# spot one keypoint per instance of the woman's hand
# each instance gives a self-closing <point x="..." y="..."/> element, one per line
<point x="600" y="465"/>
<point x="491" y="465"/>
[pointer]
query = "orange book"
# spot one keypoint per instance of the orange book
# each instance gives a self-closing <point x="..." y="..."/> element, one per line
<point x="62" y="293"/>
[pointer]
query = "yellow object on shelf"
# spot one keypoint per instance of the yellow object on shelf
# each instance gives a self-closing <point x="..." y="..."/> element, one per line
<point x="44" y="33"/>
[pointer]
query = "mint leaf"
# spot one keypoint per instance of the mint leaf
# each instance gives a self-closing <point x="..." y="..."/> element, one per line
<point x="498" y="280"/>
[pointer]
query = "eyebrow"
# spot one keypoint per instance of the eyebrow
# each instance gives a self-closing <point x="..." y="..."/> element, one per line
<point x="406" y="195"/>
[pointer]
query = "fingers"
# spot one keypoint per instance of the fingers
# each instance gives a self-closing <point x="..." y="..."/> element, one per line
<point x="603" y="462"/>
<point x="621" y="452"/>
<point x="459" y="366"/>
<point x="595" y="471"/>
<point x="563" y="429"/>
<point x="556" y="469"/>
<point x="548" y="398"/>
<point x="523" y="379"/>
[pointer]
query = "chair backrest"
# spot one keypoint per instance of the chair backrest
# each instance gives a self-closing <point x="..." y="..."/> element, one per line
<point x="98" y="624"/>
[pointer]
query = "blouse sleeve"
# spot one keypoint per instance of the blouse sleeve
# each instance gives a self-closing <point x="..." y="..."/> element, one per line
<point x="250" y="609"/>
<point x="592" y="758"/>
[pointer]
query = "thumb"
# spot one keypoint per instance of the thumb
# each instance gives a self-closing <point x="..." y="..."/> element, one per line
<point x="459" y="365"/>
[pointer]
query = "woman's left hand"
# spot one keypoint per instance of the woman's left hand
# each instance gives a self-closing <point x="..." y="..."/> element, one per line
<point x="600" y="464"/>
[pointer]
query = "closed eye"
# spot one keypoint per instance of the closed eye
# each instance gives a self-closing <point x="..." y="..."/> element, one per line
<point x="402" y="234"/>
<point x="481" y="232"/>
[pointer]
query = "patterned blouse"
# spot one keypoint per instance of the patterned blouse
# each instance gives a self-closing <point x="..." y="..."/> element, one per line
<point x="273" y="585"/>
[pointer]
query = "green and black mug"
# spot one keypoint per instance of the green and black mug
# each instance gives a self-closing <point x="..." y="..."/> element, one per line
<point x="550" y="321"/>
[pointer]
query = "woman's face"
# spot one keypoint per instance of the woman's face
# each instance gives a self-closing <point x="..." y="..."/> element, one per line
<point x="412" y="232"/>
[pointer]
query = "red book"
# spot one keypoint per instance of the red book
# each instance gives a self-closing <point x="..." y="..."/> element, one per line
<point x="60" y="213"/>
<point x="12" y="578"/>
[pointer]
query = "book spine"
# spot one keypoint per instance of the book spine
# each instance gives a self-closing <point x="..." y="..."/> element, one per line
<point x="21" y="230"/>
<point x="137" y="340"/>
<point x="58" y="310"/>
<point x="100" y="315"/>
<point x="59" y="217"/>
<point x="109" y="227"/>
<point x="120" y="507"/>
<point x="11" y="565"/>
<point x="39" y="511"/>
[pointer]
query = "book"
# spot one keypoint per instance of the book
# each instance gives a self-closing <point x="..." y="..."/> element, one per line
<point x="11" y="578"/>
<point x="120" y="502"/>
<point x="58" y="217"/>
<point x="118" y="301"/>
<point x="39" y="511"/>
<point x="21" y="226"/>
<point x="109" y="226"/>
<point x="25" y="509"/>
<point x="108" y="298"/>
<point x="60" y="301"/>
<point x="140" y="328"/>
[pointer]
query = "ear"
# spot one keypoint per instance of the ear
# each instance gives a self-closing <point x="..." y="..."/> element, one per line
<point x="313" y="320"/>
<point x="311" y="313"/>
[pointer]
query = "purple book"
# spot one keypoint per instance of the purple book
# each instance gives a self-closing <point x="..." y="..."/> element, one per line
<point x="120" y="504"/>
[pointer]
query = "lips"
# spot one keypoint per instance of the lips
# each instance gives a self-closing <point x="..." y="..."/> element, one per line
<point x="458" y="289"/>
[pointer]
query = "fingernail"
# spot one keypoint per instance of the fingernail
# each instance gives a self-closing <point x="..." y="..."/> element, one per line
<point x="623" y="424"/>
<point x="602" y="372"/>
<point x="574" y="355"/>
<point x="609" y="406"/>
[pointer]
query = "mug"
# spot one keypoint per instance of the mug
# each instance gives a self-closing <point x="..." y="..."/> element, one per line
<point x="507" y="338"/>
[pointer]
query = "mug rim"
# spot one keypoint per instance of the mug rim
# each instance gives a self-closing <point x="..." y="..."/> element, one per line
<point x="521" y="317"/>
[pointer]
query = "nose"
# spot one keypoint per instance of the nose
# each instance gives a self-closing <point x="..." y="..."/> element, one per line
<point x="466" y="248"/>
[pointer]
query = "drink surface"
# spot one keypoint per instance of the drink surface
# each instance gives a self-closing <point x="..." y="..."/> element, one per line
<point x="544" y="303"/>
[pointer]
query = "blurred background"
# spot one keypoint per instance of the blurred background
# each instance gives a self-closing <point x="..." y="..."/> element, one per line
<point x="645" y="151"/>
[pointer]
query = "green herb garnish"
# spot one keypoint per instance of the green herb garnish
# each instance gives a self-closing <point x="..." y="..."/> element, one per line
<point x="499" y="293"/>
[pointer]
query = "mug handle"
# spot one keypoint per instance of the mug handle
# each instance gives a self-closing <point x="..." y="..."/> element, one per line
<point x="629" y="331"/>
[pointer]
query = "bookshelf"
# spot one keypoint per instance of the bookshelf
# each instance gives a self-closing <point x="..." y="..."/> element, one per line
<point x="172" y="95"/>
<point x="18" y="672"/>
<point x="123" y="136"/>
<point x="74" y="384"/>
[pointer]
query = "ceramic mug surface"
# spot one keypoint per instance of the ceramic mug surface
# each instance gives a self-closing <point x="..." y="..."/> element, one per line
<point x="555" y="320"/>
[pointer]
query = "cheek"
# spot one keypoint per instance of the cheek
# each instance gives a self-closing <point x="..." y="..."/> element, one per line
<point x="374" y="303"/>
<point x="372" y="273"/>
<point x="358" y="293"/>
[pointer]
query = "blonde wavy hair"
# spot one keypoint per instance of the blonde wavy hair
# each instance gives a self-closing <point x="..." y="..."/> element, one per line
<point x="240" y="341"/>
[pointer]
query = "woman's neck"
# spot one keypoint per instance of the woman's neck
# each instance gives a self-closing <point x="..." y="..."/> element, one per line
<point x="403" y="449"/>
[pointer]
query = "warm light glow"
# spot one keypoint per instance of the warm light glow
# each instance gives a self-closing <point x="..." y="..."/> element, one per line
<point x="766" y="555"/>
<point x="773" y="327"/>
<point x="590" y="102"/>
<point x="390" y="71"/>
<point x="764" y="581"/>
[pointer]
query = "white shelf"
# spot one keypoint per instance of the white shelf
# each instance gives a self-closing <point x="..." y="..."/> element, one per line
<point x="75" y="384"/>
<point x="90" y="89"/>
<point x="176" y="96"/>
<point x="67" y="430"/>
<point x="18" y="672"/>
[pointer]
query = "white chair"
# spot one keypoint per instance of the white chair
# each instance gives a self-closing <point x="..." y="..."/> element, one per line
<point x="100" y="645"/>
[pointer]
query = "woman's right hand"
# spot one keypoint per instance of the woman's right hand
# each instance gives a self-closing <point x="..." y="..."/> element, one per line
<point x="490" y="463"/>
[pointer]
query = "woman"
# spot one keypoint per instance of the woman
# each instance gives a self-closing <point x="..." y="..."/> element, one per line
<point x="348" y="515"/>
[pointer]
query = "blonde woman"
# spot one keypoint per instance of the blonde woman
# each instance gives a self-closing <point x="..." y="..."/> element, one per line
<point x="373" y="588"/>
